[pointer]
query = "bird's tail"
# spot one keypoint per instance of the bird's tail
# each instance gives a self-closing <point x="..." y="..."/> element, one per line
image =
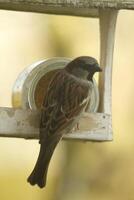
<point x="39" y="173"/>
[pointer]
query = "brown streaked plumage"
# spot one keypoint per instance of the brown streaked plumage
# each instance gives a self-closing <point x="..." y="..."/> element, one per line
<point x="67" y="96"/>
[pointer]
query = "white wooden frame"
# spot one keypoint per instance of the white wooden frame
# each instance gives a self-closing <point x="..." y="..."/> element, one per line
<point x="25" y="123"/>
<point x="22" y="123"/>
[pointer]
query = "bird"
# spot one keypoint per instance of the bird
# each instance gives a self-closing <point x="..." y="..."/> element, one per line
<point x="67" y="96"/>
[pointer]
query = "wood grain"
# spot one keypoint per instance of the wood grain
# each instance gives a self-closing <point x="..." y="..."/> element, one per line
<point x="66" y="7"/>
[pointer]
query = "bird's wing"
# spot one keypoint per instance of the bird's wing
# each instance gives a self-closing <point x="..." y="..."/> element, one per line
<point x="66" y="98"/>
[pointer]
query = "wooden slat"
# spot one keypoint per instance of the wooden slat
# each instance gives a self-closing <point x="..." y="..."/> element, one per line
<point x="62" y="7"/>
<point x="25" y="124"/>
<point x="107" y="20"/>
<point x="66" y="7"/>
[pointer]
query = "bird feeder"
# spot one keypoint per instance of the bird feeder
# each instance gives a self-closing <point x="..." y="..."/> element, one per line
<point x="23" y="120"/>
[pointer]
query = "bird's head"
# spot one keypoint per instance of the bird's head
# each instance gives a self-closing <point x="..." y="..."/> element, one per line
<point x="83" y="67"/>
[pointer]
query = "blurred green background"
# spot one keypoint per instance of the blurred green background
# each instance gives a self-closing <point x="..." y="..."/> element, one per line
<point x="78" y="171"/>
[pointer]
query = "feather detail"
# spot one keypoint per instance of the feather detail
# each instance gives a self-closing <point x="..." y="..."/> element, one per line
<point x="67" y="97"/>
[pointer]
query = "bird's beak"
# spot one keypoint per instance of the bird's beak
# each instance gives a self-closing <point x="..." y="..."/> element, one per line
<point x="97" y="68"/>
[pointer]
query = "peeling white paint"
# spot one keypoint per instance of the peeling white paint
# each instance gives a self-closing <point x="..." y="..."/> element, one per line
<point x="25" y="124"/>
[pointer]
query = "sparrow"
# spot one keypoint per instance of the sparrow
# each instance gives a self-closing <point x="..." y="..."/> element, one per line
<point x="67" y="96"/>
